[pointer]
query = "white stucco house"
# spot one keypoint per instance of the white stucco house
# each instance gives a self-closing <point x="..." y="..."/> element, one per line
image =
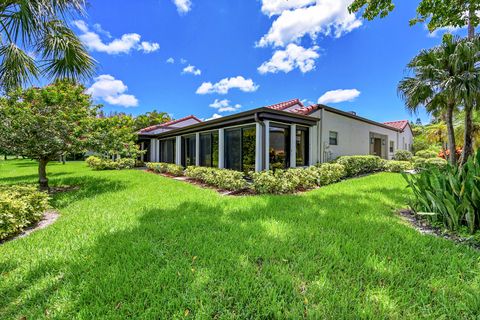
<point x="287" y="134"/>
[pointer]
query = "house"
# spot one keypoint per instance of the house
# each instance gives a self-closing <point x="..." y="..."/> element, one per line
<point x="283" y="135"/>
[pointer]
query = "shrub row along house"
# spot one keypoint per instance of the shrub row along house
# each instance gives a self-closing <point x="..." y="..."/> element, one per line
<point x="283" y="135"/>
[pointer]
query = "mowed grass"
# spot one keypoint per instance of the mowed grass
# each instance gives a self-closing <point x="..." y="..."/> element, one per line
<point x="131" y="244"/>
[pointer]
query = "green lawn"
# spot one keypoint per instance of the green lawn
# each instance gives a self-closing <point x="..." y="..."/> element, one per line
<point x="131" y="244"/>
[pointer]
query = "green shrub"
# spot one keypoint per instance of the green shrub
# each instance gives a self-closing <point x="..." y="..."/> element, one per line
<point x="97" y="163"/>
<point x="398" y="166"/>
<point x="20" y="207"/>
<point x="436" y="162"/>
<point x="427" y="154"/>
<point x="162" y="167"/>
<point x="269" y="182"/>
<point x="356" y="165"/>
<point x="220" y="178"/>
<point x="403" y="155"/>
<point x="174" y="169"/>
<point x="330" y="173"/>
<point x="450" y="196"/>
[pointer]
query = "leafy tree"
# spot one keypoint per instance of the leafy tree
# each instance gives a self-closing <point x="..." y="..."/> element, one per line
<point x="434" y="85"/>
<point x="46" y="123"/>
<point x="39" y="27"/>
<point x="150" y="118"/>
<point x="114" y="137"/>
<point x="437" y="13"/>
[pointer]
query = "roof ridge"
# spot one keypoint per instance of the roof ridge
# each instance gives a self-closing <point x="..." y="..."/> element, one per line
<point x="285" y="104"/>
<point x="169" y="123"/>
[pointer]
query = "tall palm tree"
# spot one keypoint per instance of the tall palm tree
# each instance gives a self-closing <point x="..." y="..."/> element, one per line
<point x="35" y="40"/>
<point x="432" y="86"/>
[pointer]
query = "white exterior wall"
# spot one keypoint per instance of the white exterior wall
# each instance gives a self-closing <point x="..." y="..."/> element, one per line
<point x="353" y="136"/>
<point x="406" y="136"/>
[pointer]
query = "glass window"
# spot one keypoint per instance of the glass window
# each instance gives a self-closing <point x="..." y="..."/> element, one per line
<point x="233" y="154"/>
<point x="209" y="149"/>
<point x="391" y="146"/>
<point x="302" y="147"/>
<point x="279" y="149"/>
<point x="189" y="150"/>
<point x="167" y="151"/>
<point x="240" y="149"/>
<point x="333" y="138"/>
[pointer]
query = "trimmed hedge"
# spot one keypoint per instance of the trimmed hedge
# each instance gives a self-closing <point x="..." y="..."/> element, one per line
<point x="403" y="155"/>
<point x="220" y="178"/>
<point x="97" y="163"/>
<point x="356" y="165"/>
<point x="422" y="163"/>
<point x="170" y="168"/>
<point x="330" y="173"/>
<point x="20" y="207"/>
<point x="427" y="154"/>
<point x="398" y="166"/>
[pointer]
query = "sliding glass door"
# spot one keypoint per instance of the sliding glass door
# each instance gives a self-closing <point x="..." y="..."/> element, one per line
<point x="302" y="147"/>
<point x="279" y="151"/>
<point x="240" y="149"/>
<point x="189" y="150"/>
<point x="167" y="151"/>
<point x="209" y="149"/>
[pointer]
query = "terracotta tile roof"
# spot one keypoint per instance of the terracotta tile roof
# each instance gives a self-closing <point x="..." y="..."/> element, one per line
<point x="168" y="124"/>
<point x="306" y="110"/>
<point x="401" y="124"/>
<point x="285" y="105"/>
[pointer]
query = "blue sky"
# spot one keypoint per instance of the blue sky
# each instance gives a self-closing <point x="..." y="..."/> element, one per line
<point x="224" y="56"/>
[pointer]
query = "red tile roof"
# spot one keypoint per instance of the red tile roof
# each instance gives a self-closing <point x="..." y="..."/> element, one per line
<point x="168" y="124"/>
<point x="401" y="124"/>
<point x="306" y="110"/>
<point x="285" y="105"/>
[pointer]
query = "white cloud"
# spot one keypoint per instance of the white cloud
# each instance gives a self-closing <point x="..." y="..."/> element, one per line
<point x="125" y="44"/>
<point x="192" y="70"/>
<point x="224" y="105"/>
<point x="98" y="27"/>
<point x="214" y="116"/>
<point x="276" y="7"/>
<point x="111" y="90"/>
<point x="224" y="85"/>
<point x="441" y="31"/>
<point x="170" y="60"/>
<point x="340" y="95"/>
<point x="292" y="57"/>
<point x="183" y="6"/>
<point x="183" y="61"/>
<point x="326" y="17"/>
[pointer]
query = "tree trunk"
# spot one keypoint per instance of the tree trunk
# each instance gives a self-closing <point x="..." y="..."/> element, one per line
<point x="452" y="158"/>
<point x="471" y="27"/>
<point x="42" y="174"/>
<point x="468" y="136"/>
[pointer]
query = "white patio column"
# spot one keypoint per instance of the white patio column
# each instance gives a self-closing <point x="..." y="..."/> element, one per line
<point x="152" y="150"/>
<point x="293" y="145"/>
<point x="267" y="144"/>
<point x="197" y="149"/>
<point x="157" y="150"/>
<point x="178" y="151"/>
<point x="312" y="145"/>
<point x="258" y="147"/>
<point x="221" y="147"/>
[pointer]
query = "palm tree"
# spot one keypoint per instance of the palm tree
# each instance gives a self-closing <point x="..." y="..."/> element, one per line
<point x="35" y="40"/>
<point x="431" y="86"/>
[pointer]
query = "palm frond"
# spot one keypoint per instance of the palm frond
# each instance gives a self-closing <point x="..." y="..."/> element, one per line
<point x="16" y="67"/>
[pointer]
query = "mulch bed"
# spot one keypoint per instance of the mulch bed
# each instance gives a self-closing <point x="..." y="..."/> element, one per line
<point x="59" y="189"/>
<point x="423" y="226"/>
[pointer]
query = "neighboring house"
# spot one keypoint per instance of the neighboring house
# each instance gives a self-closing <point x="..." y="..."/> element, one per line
<point x="283" y="135"/>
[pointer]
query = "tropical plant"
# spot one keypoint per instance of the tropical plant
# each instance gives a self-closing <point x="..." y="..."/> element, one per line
<point x="150" y="118"/>
<point x="35" y="41"/>
<point x="450" y="195"/>
<point x="46" y="123"/>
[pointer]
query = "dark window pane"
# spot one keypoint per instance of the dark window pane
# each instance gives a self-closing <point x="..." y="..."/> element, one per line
<point x="215" y="149"/>
<point x="233" y="154"/>
<point x="333" y="137"/>
<point x="248" y="149"/>
<point x="167" y="151"/>
<point x="206" y="149"/>
<point x="302" y="147"/>
<point x="279" y="148"/>
<point x="189" y="151"/>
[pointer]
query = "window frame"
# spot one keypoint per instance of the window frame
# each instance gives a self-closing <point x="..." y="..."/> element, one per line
<point x="330" y="138"/>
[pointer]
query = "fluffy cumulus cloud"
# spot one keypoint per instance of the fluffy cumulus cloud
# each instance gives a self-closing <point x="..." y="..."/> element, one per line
<point x="224" y="85"/>
<point x="112" y="91"/>
<point x="292" y="57"/>
<point x="192" y="70"/>
<point x="224" y="105"/>
<point x="125" y="44"/>
<point x="214" y="116"/>
<point x="340" y="95"/>
<point x="170" y="60"/>
<point x="297" y="19"/>
<point x="183" y="6"/>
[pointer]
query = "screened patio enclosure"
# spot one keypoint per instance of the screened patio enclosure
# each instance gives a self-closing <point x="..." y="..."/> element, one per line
<point x="254" y="140"/>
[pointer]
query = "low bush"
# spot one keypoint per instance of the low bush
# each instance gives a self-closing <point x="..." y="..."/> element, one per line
<point x="97" y="163"/>
<point x="450" y="196"/>
<point x="427" y="154"/>
<point x="403" y="155"/>
<point x="330" y="173"/>
<point x="436" y="162"/>
<point x="269" y="182"/>
<point x="398" y="166"/>
<point x="356" y="165"/>
<point x="161" y="167"/>
<point x="20" y="207"/>
<point x="220" y="178"/>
